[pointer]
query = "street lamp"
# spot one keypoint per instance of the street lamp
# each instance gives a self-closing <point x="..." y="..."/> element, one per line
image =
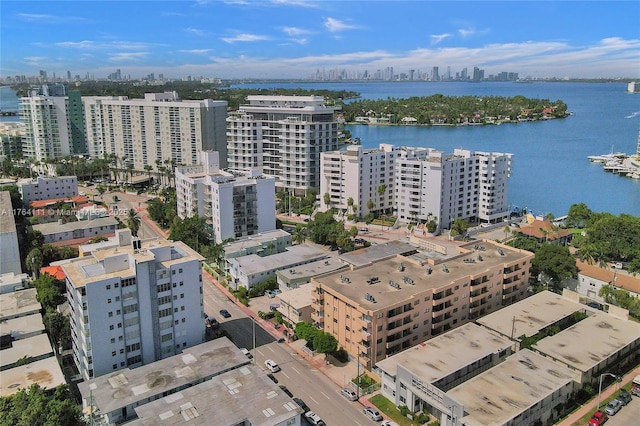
<point x="618" y="378"/>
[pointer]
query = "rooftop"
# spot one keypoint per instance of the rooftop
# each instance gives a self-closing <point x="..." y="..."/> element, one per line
<point x="242" y="395"/>
<point x="195" y="364"/>
<point x="22" y="326"/>
<point x="530" y="315"/>
<point x="618" y="278"/>
<point x="367" y="255"/>
<point x="33" y="347"/>
<point x="253" y="264"/>
<point x="506" y="390"/>
<point x="7" y="222"/>
<point x="55" y="227"/>
<point x="46" y="373"/>
<point x="253" y="240"/>
<point x="599" y="336"/>
<point x="445" y="354"/>
<point x="411" y="277"/>
<point x="312" y="269"/>
<point x="298" y="297"/>
<point x="18" y="303"/>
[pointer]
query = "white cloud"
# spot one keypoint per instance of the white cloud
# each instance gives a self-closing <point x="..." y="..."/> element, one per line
<point x="49" y="19"/>
<point x="470" y="32"/>
<point x="334" y="25"/>
<point x="295" y="31"/>
<point x="245" y="38"/>
<point x="98" y="45"/>
<point x="196" y="51"/>
<point x="196" y="31"/>
<point x="437" y="38"/>
<point x="127" y="56"/>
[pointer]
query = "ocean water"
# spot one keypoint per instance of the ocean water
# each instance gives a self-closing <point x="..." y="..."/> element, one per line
<point x="550" y="166"/>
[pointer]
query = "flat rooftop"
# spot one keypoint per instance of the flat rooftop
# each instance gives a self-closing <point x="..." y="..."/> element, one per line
<point x="18" y="303"/>
<point x="376" y="252"/>
<point x="254" y="240"/>
<point x="297" y="298"/>
<point x="46" y="373"/>
<point x="598" y="337"/>
<point x="506" y="390"/>
<point x="530" y="315"/>
<point x="312" y="269"/>
<point x="7" y="221"/>
<point x="445" y="354"/>
<point x="234" y="397"/>
<point x="55" y="227"/>
<point x="353" y="284"/>
<point x="253" y="264"/>
<point x="90" y="268"/>
<point x="21" y="327"/>
<point x="198" y="363"/>
<point x="34" y="347"/>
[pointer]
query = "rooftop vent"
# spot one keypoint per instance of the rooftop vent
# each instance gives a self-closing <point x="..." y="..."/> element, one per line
<point x="429" y="270"/>
<point x="373" y="280"/>
<point x="500" y="252"/>
<point x="444" y="268"/>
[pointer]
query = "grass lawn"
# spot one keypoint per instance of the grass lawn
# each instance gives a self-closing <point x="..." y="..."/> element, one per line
<point x="385" y="406"/>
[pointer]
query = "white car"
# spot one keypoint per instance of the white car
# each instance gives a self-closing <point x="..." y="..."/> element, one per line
<point x="372" y="413"/>
<point x="314" y="419"/>
<point x="246" y="352"/>
<point x="349" y="394"/>
<point x="388" y="423"/>
<point x="272" y="365"/>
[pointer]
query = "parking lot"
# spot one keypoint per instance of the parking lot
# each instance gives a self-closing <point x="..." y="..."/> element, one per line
<point x="628" y="415"/>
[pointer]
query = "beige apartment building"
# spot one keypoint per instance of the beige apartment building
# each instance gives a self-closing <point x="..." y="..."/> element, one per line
<point x="386" y="306"/>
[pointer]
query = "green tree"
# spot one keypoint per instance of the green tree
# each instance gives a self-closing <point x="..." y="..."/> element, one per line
<point x="192" y="231"/>
<point x="299" y="235"/>
<point x="49" y="291"/>
<point x="305" y="330"/>
<point x="459" y="227"/>
<point x="58" y="327"/>
<point x="133" y="222"/>
<point x="325" y="343"/>
<point x="327" y="199"/>
<point x="34" y="261"/>
<point x="555" y="261"/>
<point x="578" y="216"/>
<point x="350" y="203"/>
<point x="33" y="407"/>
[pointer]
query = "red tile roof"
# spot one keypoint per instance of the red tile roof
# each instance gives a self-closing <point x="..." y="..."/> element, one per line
<point x="536" y="228"/>
<point x="77" y="199"/>
<point x="54" y="271"/>
<point x="622" y="279"/>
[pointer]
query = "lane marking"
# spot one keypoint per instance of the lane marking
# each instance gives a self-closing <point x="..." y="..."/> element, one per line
<point x="285" y="375"/>
<point x="325" y="395"/>
<point x="314" y="400"/>
<point x="294" y="369"/>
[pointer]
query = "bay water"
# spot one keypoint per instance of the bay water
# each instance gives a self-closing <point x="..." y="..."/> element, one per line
<point x="550" y="166"/>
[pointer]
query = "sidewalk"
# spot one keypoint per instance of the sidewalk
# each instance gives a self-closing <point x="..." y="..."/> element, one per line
<point x="591" y="406"/>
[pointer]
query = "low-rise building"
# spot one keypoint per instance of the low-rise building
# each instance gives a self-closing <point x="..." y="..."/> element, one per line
<point x="11" y="282"/>
<point x="419" y="377"/>
<point x="262" y="244"/>
<point x="18" y="304"/>
<point x="59" y="232"/>
<point x="46" y="188"/>
<point x="10" y="259"/>
<point x="295" y="305"/>
<point x="543" y="231"/>
<point x="289" y="279"/>
<point x="591" y="278"/>
<point x="382" y="308"/>
<point x="524" y="389"/>
<point x="247" y="271"/>
<point x="185" y="388"/>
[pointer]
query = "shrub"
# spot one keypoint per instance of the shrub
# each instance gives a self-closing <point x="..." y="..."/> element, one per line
<point x="341" y="355"/>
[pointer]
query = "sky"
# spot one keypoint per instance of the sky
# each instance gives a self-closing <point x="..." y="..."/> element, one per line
<point x="296" y="38"/>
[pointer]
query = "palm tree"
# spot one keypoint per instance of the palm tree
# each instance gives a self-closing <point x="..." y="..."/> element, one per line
<point x="299" y="235"/>
<point x="381" y="190"/>
<point x="350" y="204"/>
<point x="327" y="199"/>
<point x="148" y="169"/>
<point x="34" y="261"/>
<point x="370" y="205"/>
<point x="507" y="230"/>
<point x="133" y="222"/>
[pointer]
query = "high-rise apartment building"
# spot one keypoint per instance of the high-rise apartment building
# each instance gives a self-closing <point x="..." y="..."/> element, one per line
<point x="46" y="127"/>
<point x="134" y="304"/>
<point x="358" y="176"/>
<point x="444" y="187"/>
<point x="235" y="203"/>
<point x="283" y="136"/>
<point x="387" y="306"/>
<point x="160" y="127"/>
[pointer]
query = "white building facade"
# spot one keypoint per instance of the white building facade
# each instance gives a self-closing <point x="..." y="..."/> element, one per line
<point x="133" y="305"/>
<point x="150" y="131"/>
<point x="359" y="175"/>
<point x="43" y="188"/>
<point x="283" y="136"/>
<point x="10" y="259"/>
<point x="46" y="133"/>
<point x="234" y="203"/>
<point x="444" y="187"/>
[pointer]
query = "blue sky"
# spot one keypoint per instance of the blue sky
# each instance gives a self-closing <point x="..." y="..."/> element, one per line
<point x="294" y="38"/>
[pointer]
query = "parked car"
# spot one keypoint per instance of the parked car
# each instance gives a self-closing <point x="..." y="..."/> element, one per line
<point x="272" y="365"/>
<point x="598" y="418"/>
<point x="595" y="305"/>
<point x="613" y="407"/>
<point x="372" y="413"/>
<point x="273" y="378"/>
<point x="301" y="404"/>
<point x="624" y="397"/>
<point x="212" y="323"/>
<point x="225" y="313"/>
<point x="287" y="391"/>
<point x="388" y="423"/>
<point x="314" y="419"/>
<point x="246" y="352"/>
<point x="269" y="294"/>
<point x="349" y="394"/>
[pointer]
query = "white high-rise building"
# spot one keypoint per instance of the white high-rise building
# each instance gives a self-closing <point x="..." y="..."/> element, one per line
<point x="46" y="127"/>
<point x="283" y="136"/>
<point x="150" y="131"/>
<point x="134" y="304"/>
<point x="359" y="175"/>
<point x="444" y="187"/>
<point x="235" y="203"/>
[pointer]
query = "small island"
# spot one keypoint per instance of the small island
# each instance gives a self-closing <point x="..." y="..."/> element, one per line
<point x="440" y="110"/>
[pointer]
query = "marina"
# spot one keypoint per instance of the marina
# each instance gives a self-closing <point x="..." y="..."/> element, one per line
<point x="620" y="163"/>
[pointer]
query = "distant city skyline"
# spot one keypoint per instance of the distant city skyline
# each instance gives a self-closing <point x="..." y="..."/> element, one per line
<point x="303" y="39"/>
